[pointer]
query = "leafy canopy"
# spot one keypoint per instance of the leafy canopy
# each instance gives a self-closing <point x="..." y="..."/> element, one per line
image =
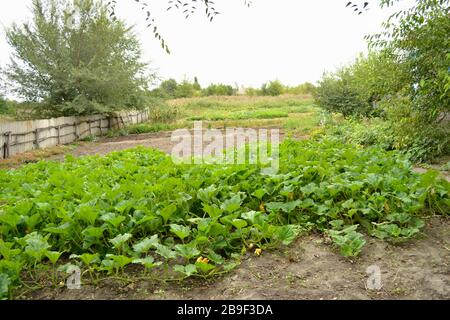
<point x="76" y="60"/>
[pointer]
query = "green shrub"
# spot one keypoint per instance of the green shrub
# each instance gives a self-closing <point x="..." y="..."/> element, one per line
<point x="334" y="94"/>
<point x="304" y="88"/>
<point x="358" y="89"/>
<point x="263" y="114"/>
<point x="403" y="130"/>
<point x="252" y="92"/>
<point x="166" y="90"/>
<point x="161" y="112"/>
<point x="3" y="105"/>
<point x="185" y="90"/>
<point x="170" y="89"/>
<point x="219" y="90"/>
<point x="420" y="138"/>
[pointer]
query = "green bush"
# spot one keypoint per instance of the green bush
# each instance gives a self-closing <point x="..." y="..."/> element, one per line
<point x="170" y="89"/>
<point x="334" y="94"/>
<point x="185" y="90"/>
<point x="358" y="89"/>
<point x="219" y="90"/>
<point x="3" y="105"/>
<point x="419" y="38"/>
<point x="403" y="130"/>
<point x="304" y="88"/>
<point x="421" y="139"/>
<point x="252" y="92"/>
<point x="365" y="132"/>
<point x="148" y="128"/>
<point x="161" y="112"/>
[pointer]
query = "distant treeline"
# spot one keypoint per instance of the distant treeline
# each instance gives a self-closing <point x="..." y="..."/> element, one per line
<point x="171" y="89"/>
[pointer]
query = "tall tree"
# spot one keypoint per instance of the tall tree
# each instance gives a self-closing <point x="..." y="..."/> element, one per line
<point x="76" y="60"/>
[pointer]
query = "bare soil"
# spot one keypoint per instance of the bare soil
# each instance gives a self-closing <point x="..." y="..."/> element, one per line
<point x="160" y="140"/>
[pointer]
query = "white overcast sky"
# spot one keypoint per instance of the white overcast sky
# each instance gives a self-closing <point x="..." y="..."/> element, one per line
<point x="290" y="40"/>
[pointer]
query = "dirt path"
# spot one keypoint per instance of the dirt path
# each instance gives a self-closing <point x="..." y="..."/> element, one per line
<point x="160" y="140"/>
<point x="308" y="269"/>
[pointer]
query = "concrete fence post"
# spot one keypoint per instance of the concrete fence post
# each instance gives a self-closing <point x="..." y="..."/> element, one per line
<point x="36" y="138"/>
<point x="59" y="134"/>
<point x="7" y="145"/>
<point x="75" y="131"/>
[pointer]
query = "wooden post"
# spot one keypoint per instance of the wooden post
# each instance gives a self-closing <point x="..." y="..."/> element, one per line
<point x="90" y="127"/>
<point x="100" y="125"/>
<point x="59" y="134"/>
<point x="109" y="123"/>
<point x="7" y="145"/>
<point x="36" y="141"/>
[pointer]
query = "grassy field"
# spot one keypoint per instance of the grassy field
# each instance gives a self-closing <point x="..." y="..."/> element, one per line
<point x="293" y="113"/>
<point x="242" y="107"/>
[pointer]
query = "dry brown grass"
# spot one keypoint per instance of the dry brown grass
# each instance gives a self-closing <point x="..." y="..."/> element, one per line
<point x="33" y="156"/>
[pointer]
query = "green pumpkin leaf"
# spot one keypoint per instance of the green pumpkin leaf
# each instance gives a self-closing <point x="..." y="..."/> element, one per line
<point x="168" y="211"/>
<point x="182" y="232"/>
<point x="146" y="244"/>
<point x="120" y="240"/>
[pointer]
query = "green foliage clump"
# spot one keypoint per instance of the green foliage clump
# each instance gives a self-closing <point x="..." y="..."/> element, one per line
<point x="418" y="37"/>
<point x="166" y="90"/>
<point x="358" y="89"/>
<point x="273" y="88"/>
<point x="219" y="90"/>
<point x="161" y="112"/>
<point x="304" y="88"/>
<point x="407" y="83"/>
<point x="348" y="239"/>
<point x="74" y="59"/>
<point x="138" y="207"/>
<point x="422" y="140"/>
<point x="276" y="88"/>
<point x="146" y="128"/>
<point x="185" y="89"/>
<point x="3" y="105"/>
<point x="171" y="89"/>
<point x="334" y="95"/>
<point x="419" y="142"/>
<point x="252" y="92"/>
<point x="365" y="132"/>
